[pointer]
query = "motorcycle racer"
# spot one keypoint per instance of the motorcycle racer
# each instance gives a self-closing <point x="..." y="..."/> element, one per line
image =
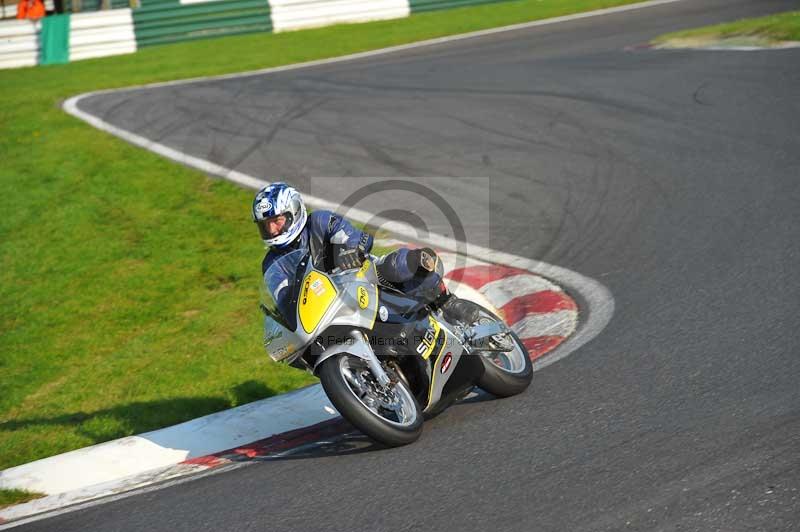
<point x="284" y="225"/>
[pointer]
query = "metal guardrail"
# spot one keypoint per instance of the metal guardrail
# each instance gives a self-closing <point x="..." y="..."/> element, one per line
<point x="19" y="43"/>
<point x="167" y="21"/>
<point x="101" y="34"/>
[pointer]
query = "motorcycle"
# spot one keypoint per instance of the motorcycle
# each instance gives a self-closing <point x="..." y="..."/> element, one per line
<point x="386" y="360"/>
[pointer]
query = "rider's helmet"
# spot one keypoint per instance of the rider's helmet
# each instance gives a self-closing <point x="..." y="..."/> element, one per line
<point x="279" y="213"/>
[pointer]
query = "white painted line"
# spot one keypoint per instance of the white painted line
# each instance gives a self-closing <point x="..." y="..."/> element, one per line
<point x="724" y="48"/>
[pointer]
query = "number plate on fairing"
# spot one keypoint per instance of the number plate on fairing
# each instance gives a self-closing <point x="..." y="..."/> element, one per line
<point x="316" y="296"/>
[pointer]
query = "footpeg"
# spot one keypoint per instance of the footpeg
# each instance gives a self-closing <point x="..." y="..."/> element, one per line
<point x="478" y="335"/>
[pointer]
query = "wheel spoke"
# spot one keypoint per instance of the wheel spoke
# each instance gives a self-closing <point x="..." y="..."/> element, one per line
<point x="395" y="405"/>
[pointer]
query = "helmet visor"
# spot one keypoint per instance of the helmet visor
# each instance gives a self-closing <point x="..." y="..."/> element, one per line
<point x="274" y="226"/>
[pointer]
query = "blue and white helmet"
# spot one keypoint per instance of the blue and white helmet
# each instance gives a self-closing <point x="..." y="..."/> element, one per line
<point x="276" y="200"/>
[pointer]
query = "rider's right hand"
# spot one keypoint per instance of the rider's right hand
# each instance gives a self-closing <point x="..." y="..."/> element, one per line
<point x="348" y="258"/>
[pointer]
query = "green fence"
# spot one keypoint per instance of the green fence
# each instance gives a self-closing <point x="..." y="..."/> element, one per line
<point x="167" y="21"/>
<point x="85" y="6"/>
<point x="419" y="6"/>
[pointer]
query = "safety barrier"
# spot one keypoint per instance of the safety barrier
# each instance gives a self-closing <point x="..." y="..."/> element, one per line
<point x="297" y="14"/>
<point x="91" y="6"/>
<point x="101" y="34"/>
<point x="419" y="6"/>
<point x="124" y="30"/>
<point x="19" y="43"/>
<point x="167" y="21"/>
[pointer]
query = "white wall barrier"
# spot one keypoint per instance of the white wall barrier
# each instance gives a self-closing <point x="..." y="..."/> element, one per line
<point x="295" y="14"/>
<point x="101" y="33"/>
<point x="19" y="43"/>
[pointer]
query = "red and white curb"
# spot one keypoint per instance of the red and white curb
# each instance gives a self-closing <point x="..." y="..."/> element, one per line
<point x="539" y="311"/>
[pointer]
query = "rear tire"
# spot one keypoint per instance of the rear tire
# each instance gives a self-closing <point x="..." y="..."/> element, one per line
<point x="345" y="398"/>
<point x="505" y="374"/>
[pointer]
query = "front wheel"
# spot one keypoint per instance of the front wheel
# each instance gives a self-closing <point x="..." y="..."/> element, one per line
<point x="390" y="415"/>
<point x="508" y="372"/>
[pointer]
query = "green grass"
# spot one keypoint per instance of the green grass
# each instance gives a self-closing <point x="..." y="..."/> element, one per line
<point x="9" y="497"/>
<point x="129" y="284"/>
<point x="769" y="29"/>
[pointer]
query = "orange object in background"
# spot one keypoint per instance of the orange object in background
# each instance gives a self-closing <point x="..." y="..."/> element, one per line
<point x="32" y="9"/>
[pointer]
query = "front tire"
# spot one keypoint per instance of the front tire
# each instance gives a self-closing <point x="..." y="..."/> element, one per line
<point x="391" y="417"/>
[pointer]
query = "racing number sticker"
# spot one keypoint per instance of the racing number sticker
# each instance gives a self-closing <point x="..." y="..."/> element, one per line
<point x="363" y="297"/>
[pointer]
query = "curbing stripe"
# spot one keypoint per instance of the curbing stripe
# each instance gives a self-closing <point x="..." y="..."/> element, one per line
<point x="562" y="323"/>
<point x="539" y="311"/>
<point x="541" y="302"/>
<point x="539" y="346"/>
<point x="501" y="292"/>
<point x="479" y="276"/>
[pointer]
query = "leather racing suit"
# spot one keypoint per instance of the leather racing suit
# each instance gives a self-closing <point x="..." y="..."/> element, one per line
<point x="330" y="238"/>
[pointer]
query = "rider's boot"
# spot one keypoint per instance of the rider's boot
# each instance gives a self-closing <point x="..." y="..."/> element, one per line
<point x="456" y="309"/>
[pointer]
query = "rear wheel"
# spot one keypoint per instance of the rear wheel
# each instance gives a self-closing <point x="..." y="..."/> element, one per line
<point x="389" y="415"/>
<point x="506" y="372"/>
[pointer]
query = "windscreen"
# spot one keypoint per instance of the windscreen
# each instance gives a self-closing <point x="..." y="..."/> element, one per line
<point x="280" y="284"/>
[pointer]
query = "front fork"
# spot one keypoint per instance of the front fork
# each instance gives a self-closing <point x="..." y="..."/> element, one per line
<point x="360" y="348"/>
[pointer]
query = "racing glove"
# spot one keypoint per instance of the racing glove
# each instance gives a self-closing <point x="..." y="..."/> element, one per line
<point x="348" y="258"/>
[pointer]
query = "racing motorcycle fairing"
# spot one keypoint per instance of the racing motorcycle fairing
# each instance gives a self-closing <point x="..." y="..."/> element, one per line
<point x="312" y="316"/>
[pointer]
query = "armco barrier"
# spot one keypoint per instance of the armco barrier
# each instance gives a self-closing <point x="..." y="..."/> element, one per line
<point x="19" y="43"/>
<point x="111" y="32"/>
<point x="91" y="6"/>
<point x="168" y="21"/>
<point x="419" y="6"/>
<point x="101" y="33"/>
<point x="296" y="14"/>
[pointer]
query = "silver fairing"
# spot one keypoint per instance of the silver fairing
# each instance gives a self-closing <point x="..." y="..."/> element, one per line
<point x="285" y="345"/>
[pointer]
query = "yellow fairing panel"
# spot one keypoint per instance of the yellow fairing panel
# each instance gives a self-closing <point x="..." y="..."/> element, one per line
<point x="316" y="297"/>
<point x="429" y="340"/>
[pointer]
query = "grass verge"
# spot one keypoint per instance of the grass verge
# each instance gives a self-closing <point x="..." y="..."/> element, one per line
<point x="765" y="31"/>
<point x="129" y="283"/>
<point x="9" y="497"/>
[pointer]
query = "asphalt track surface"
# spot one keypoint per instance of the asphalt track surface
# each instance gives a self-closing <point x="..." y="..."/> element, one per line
<point x="673" y="177"/>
